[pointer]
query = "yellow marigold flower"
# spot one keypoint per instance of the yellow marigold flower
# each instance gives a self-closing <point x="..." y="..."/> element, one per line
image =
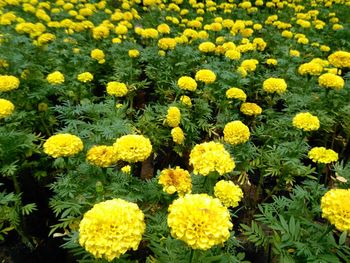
<point x="228" y="193"/>
<point x="178" y="135"/>
<point x="85" y="77"/>
<point x="242" y="72"/>
<point x="163" y="29"/>
<point x="117" y="89"/>
<point x="322" y="155"/>
<point x="199" y="220"/>
<point x="249" y="64"/>
<point x="250" y="109"/>
<point x="8" y="83"/>
<point x="187" y="83"/>
<point x="63" y="145"/>
<point x="100" y="32"/>
<point x="167" y="43"/>
<point x="111" y="228"/>
<point x="121" y="29"/>
<point x="311" y="68"/>
<point x="340" y="59"/>
<point x="6" y="108"/>
<point x="207" y="47"/>
<point x="332" y="81"/>
<point x="205" y="75"/>
<point x="175" y="180"/>
<point x="45" y="38"/>
<point x="236" y="93"/>
<point x="210" y="157"/>
<point x="173" y="117"/>
<point x="133" y="148"/>
<point x="55" y="78"/>
<point x="98" y="55"/>
<point x="133" y="53"/>
<point x="271" y="61"/>
<point x="306" y="121"/>
<point x="236" y="132"/>
<point x="294" y="53"/>
<point x="126" y="169"/>
<point x="325" y="48"/>
<point x="186" y="100"/>
<point x="271" y="85"/>
<point x="287" y="34"/>
<point x="335" y="206"/>
<point x="233" y="54"/>
<point x="102" y="155"/>
<point x="149" y="33"/>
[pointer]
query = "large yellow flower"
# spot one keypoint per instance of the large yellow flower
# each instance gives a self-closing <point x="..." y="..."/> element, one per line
<point x="199" y="220"/>
<point x="306" y="121"/>
<point x="173" y="117"/>
<point x="228" y="193"/>
<point x="335" y="205"/>
<point x="117" y="89"/>
<point x="210" y="157"/>
<point x="63" y="145"/>
<point x="111" y="228"/>
<point x="187" y="83"/>
<point x="55" y="77"/>
<point x="332" y="81"/>
<point x="236" y="132"/>
<point x="133" y="148"/>
<point x="8" y="83"/>
<point x="175" y="180"/>
<point x="178" y="135"/>
<point x="236" y="93"/>
<point x="340" y="59"/>
<point x="205" y="75"/>
<point x="322" y="155"/>
<point x="98" y="55"/>
<point x="250" y="109"/>
<point x="102" y="155"/>
<point x="275" y="85"/>
<point x="6" y="108"/>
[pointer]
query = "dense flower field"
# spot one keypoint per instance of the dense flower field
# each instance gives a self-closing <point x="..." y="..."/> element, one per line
<point x="177" y="131"/>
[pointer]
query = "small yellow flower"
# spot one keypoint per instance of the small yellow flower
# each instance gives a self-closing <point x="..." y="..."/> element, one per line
<point x="98" y="55"/>
<point x="271" y="61"/>
<point x="117" y="89"/>
<point x="186" y="100"/>
<point x="322" y="155"/>
<point x="236" y="132"/>
<point x="236" y="93"/>
<point x="6" y="108"/>
<point x="126" y="169"/>
<point x="228" y="193"/>
<point x="175" y="180"/>
<point x="178" y="135"/>
<point x="207" y="47"/>
<point x="306" y="121"/>
<point x="55" y="78"/>
<point x="85" y="77"/>
<point x="173" y="117"/>
<point x="250" y="109"/>
<point x="133" y="53"/>
<point x="102" y="155"/>
<point x="205" y="75"/>
<point x="277" y="85"/>
<point x="187" y="83"/>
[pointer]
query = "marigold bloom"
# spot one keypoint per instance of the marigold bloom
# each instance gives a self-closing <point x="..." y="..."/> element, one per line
<point x="322" y="155"/>
<point x="340" y="59"/>
<point x="228" y="193"/>
<point x="63" y="145"/>
<point x="250" y="109"/>
<point x="199" y="220"/>
<point x="126" y="169"/>
<point x="332" y="81"/>
<point x="98" y="55"/>
<point x="207" y="47"/>
<point x="236" y="132"/>
<point x="306" y="121"/>
<point x="236" y="93"/>
<point x="85" y="77"/>
<point x="205" y="75"/>
<point x="173" y="117"/>
<point x="311" y="68"/>
<point x="133" y="148"/>
<point x="175" y="180"/>
<point x="210" y="157"/>
<point x="167" y="43"/>
<point x="117" y="89"/>
<point x="6" y="108"/>
<point x="294" y="53"/>
<point x="249" y="64"/>
<point x="272" y="85"/>
<point x="178" y="135"/>
<point x="163" y="29"/>
<point x="111" y="228"/>
<point x="100" y="32"/>
<point x="271" y="61"/>
<point x="186" y="100"/>
<point x="187" y="83"/>
<point x="102" y="155"/>
<point x="55" y="78"/>
<point x="233" y="54"/>
<point x="8" y="83"/>
<point x="133" y="53"/>
<point x="335" y="205"/>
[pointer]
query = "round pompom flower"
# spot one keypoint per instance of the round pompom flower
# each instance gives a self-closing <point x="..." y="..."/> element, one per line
<point x="250" y="109"/>
<point x="187" y="83"/>
<point x="199" y="220"/>
<point x="322" y="155"/>
<point x="173" y="117"/>
<point x="275" y="85"/>
<point x="133" y="148"/>
<point x="228" y="193"/>
<point x="236" y="93"/>
<point x="85" y="77"/>
<point x="236" y="132"/>
<point x="340" y="59"/>
<point x="206" y="47"/>
<point x="178" y="135"/>
<point x="133" y="53"/>
<point x="6" y="108"/>
<point x="175" y="180"/>
<point x="186" y="100"/>
<point x="55" y="78"/>
<point x="8" y="83"/>
<point x="117" y="89"/>
<point x="306" y="121"/>
<point x="210" y="157"/>
<point x="63" y="145"/>
<point x="205" y="75"/>
<point x="332" y="81"/>
<point x="98" y="55"/>
<point x="335" y="205"/>
<point x="111" y="228"/>
<point x="102" y="155"/>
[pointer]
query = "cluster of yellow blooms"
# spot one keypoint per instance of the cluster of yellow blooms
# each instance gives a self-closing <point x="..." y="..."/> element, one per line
<point x="272" y="85"/>
<point x="117" y="89"/>
<point x="228" y="193"/>
<point x="55" y="78"/>
<point x="322" y="155"/>
<point x="199" y="220"/>
<point x="102" y="155"/>
<point x="340" y="59"/>
<point x="335" y="205"/>
<point x="178" y="135"/>
<point x="8" y="83"/>
<point x="6" y="108"/>
<point x="210" y="157"/>
<point x="175" y="180"/>
<point x="306" y="121"/>
<point x="98" y="55"/>
<point x="236" y="132"/>
<point x="332" y="81"/>
<point x="236" y="93"/>
<point x="63" y="145"/>
<point x="111" y="228"/>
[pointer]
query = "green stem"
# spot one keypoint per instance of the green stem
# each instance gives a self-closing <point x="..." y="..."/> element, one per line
<point x="191" y="255"/>
<point x="329" y="229"/>
<point x="259" y="188"/>
<point x="16" y="184"/>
